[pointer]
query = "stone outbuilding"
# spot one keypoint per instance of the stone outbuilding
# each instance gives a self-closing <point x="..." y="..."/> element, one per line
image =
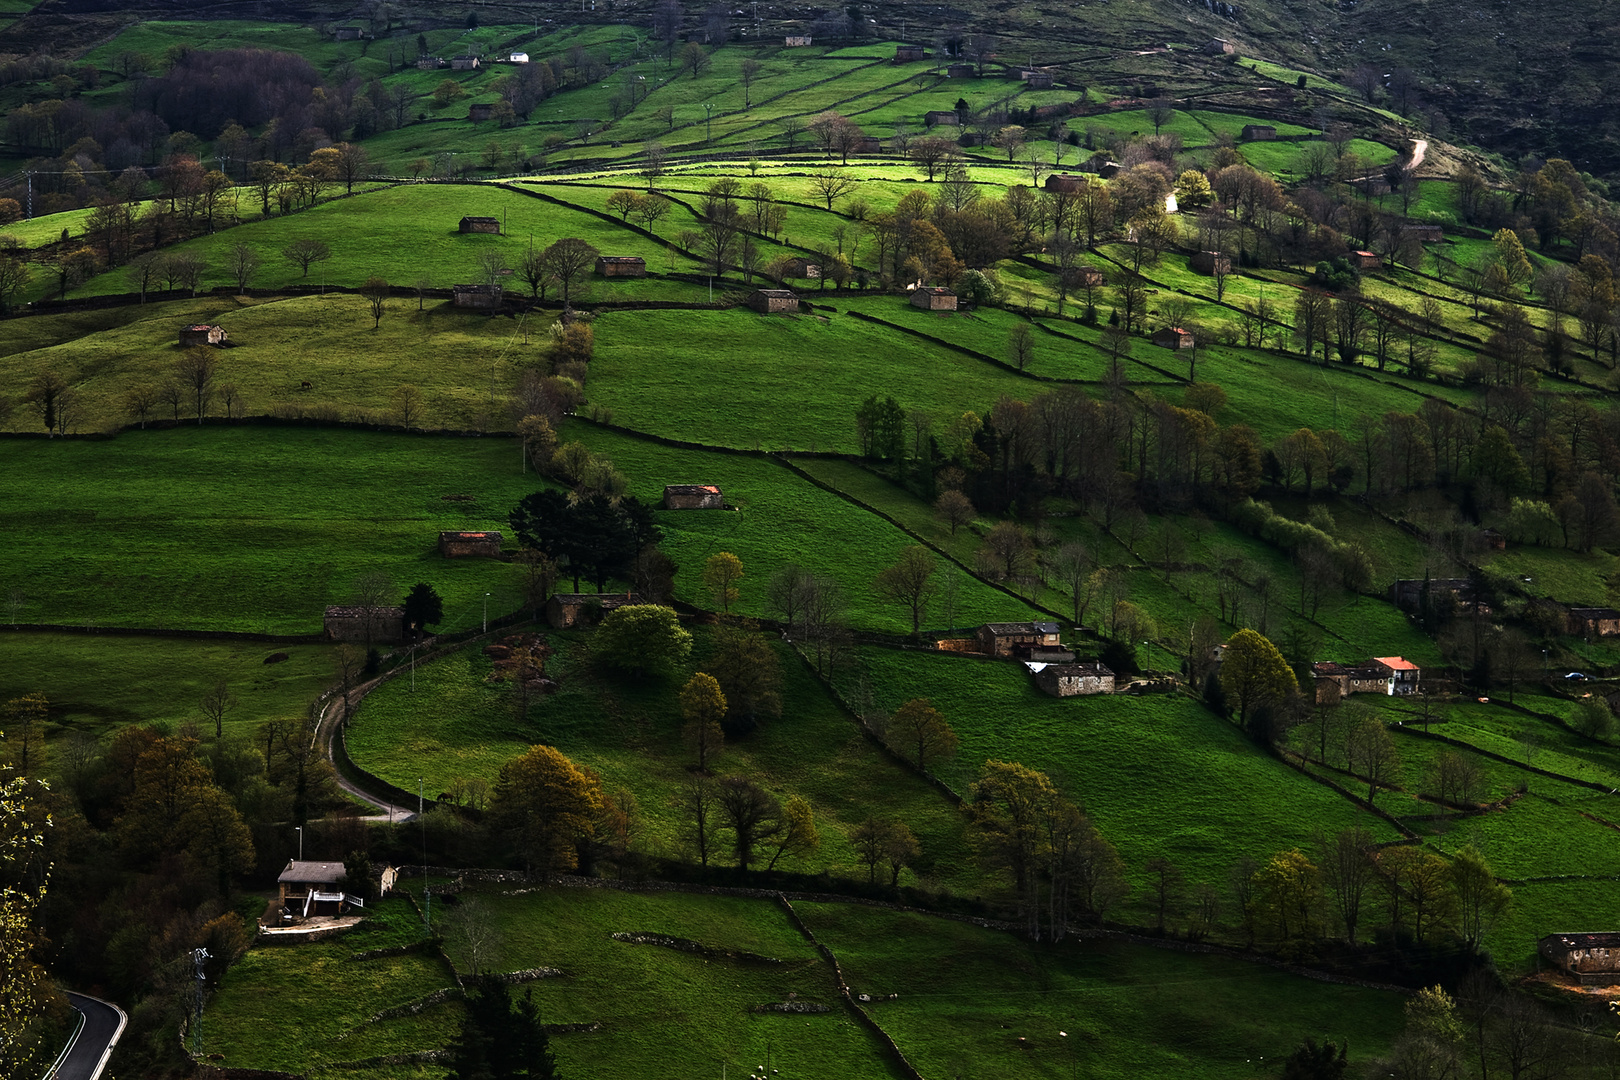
<point x="1066" y="183"/>
<point x="464" y="63"/>
<point x="349" y="623"/>
<point x="621" y="266"/>
<point x="1407" y="594"/>
<point x="693" y="497"/>
<point x="933" y="298"/>
<point x="470" y="545"/>
<point x="1364" y="260"/>
<point x="1427" y="234"/>
<point x="959" y="71"/>
<point x="796" y="41"/>
<point x="347" y="33"/>
<point x="774" y="301"/>
<point x="937" y="117"/>
<point x="1590" y="959"/>
<point x="1073" y="680"/>
<point x="429" y="63"/>
<point x="487" y="297"/>
<point x="797" y="267"/>
<point x="478" y="114"/>
<point x="909" y="54"/>
<point x="1173" y="337"/>
<point x="564" y="610"/>
<point x="1257" y="133"/>
<point x="1086" y="277"/>
<point x="480" y="225"/>
<point x="203" y="334"/>
<point x="1010" y="639"/>
<point x="1036" y="80"/>
<point x="1210" y="263"/>
<point x="1591" y="622"/>
<point x="1219" y="47"/>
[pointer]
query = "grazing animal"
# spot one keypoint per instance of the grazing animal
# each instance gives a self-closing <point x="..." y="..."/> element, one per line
<point x="307" y="385"/>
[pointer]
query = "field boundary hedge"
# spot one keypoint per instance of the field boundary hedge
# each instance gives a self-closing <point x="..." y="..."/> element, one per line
<point x="136" y="631"/>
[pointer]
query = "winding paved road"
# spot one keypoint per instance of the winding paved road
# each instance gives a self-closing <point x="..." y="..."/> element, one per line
<point x="87" y="1054"/>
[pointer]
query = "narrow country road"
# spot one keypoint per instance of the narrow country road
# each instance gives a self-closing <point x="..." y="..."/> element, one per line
<point x="87" y="1053"/>
<point x="1419" y="148"/>
<point x="329" y="731"/>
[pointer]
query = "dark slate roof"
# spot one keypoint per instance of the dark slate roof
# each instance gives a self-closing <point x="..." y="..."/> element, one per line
<point x="621" y="258"/>
<point x="1006" y="629"/>
<point x="1605" y="940"/>
<point x="1098" y="670"/>
<point x="316" y="873"/>
<point x="472" y="217"/>
<point x="779" y="294"/>
<point x="354" y="611"/>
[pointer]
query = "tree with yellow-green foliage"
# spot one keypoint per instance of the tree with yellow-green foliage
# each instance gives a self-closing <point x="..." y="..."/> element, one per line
<point x="1254" y="673"/>
<point x="25" y="990"/>
<point x="702" y="706"/>
<point x="721" y="572"/>
<point x="798" y="836"/>
<point x="544" y="807"/>
<point x="1289" y="890"/>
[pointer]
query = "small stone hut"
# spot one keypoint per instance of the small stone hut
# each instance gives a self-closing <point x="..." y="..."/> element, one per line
<point x="693" y="497"/>
<point x="796" y="41"/>
<point x="801" y="268"/>
<point x="346" y="33"/>
<point x="936" y="117"/>
<point x="1173" y="337"/>
<point x="480" y="225"/>
<point x="1428" y="234"/>
<point x="346" y="623"/>
<point x="1073" y="680"/>
<point x="1210" y="263"/>
<point x="571" y="609"/>
<point x="464" y="63"/>
<point x="933" y="298"/>
<point x="1219" y="47"/>
<point x="1036" y="80"/>
<point x="774" y="301"/>
<point x="203" y="334"/>
<point x="1257" y="133"/>
<point x="1364" y="260"/>
<point x="909" y="54"/>
<point x="1594" y="621"/>
<point x="1591" y="959"/>
<point x="478" y="114"/>
<point x="621" y="266"/>
<point x="477" y="296"/>
<point x="1008" y="639"/>
<point x="959" y="71"/>
<point x="470" y="545"/>
<point x="1066" y="183"/>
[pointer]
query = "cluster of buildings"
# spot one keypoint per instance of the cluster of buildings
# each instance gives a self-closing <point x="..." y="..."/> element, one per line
<point x="1387" y="675"/>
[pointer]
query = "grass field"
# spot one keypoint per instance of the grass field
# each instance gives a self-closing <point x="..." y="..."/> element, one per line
<point x="459" y="725"/>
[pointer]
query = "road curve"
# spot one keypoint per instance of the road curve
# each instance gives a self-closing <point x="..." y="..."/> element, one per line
<point x="87" y="1053"/>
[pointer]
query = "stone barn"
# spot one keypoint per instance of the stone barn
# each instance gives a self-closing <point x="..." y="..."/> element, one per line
<point x="909" y="54"/>
<point x="796" y="41"/>
<point x="621" y="266"/>
<point x="1066" y="183"/>
<point x="1087" y="277"/>
<point x="203" y="334"/>
<point x="1210" y="263"/>
<point x="1036" y="80"/>
<point x="933" y="298"/>
<point x="345" y="623"/>
<point x="464" y="63"/>
<point x="470" y="545"/>
<point x="1364" y="260"/>
<point x="1073" y="680"/>
<point x="1173" y="337"/>
<point x="477" y="296"/>
<point x="867" y="144"/>
<point x="1219" y="47"/>
<point x="1590" y="959"/>
<point x="478" y="114"/>
<point x="1257" y="133"/>
<point x="959" y="71"/>
<point x="693" y="497"/>
<point x="774" y="301"/>
<point x="936" y="117"/>
<point x="1427" y="234"/>
<point x="1009" y="639"/>
<point x="346" y="33"/>
<point x="572" y="609"/>
<point x="1594" y="622"/>
<point x="480" y="225"/>
<point x="801" y="268"/>
<point x="429" y="63"/>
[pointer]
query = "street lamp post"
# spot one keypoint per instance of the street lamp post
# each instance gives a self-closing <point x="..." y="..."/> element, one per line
<point x="486" y="613"/>
<point x="708" y="114"/>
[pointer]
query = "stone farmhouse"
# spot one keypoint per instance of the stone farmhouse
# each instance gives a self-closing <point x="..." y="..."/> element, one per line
<point x="621" y="266"/>
<point x="1017" y="639"/>
<point x="1257" y="133"/>
<point x="573" y="609"/>
<point x="477" y="296"/>
<point x="1073" y="680"/>
<point x="1387" y="675"/>
<point x="693" y="497"/>
<point x="346" y="623"/>
<point x="1591" y="622"/>
<point x="1591" y="959"/>
<point x="1173" y="337"/>
<point x="470" y="545"/>
<point x="774" y="301"/>
<point x="464" y="63"/>
<point x="480" y="225"/>
<point x="934" y="298"/>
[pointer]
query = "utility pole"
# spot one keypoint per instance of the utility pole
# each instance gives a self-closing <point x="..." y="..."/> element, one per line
<point x="427" y="898"/>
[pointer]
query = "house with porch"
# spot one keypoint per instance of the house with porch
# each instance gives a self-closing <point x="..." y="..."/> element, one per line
<point x="314" y="888"/>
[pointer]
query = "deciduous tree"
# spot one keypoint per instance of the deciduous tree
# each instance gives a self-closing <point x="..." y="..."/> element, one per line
<point x="753" y="815"/>
<point x="918" y="730"/>
<point x="702" y="706"/>
<point x="1253" y="673"/>
<point x="305" y="253"/>
<point x="721" y="572"/>
<point x="641" y="640"/>
<point x="911" y="582"/>
<point x="376" y="291"/>
<point x="544" y="807"/>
